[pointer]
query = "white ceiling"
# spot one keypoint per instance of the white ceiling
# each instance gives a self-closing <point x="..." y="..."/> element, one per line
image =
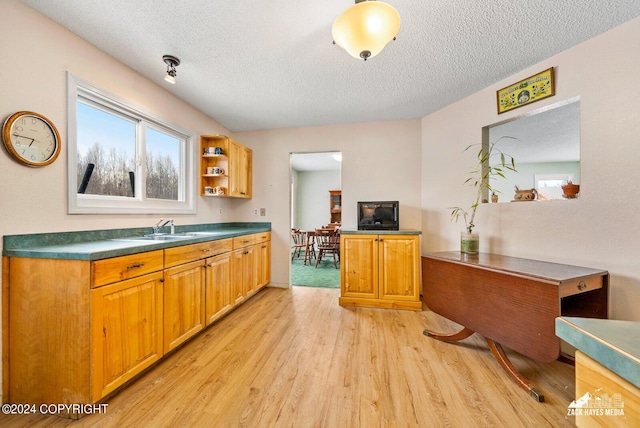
<point x="254" y="65"/>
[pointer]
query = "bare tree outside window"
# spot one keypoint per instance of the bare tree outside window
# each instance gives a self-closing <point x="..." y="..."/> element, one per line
<point x="107" y="152"/>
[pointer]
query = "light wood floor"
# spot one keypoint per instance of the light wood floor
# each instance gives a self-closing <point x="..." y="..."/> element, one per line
<point x="294" y="358"/>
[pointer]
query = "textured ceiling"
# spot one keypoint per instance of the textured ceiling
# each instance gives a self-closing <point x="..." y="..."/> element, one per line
<point x="254" y="65"/>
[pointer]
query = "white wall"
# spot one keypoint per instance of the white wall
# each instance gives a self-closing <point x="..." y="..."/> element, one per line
<point x="312" y="197"/>
<point x="365" y="148"/>
<point x="598" y="230"/>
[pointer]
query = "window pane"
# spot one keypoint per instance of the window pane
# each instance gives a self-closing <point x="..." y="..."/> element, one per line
<point x="163" y="165"/>
<point x="106" y="149"/>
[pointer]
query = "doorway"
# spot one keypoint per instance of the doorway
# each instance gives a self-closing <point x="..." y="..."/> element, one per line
<point x="315" y="201"/>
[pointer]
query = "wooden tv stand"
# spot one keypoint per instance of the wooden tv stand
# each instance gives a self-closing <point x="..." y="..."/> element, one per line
<point x="511" y="302"/>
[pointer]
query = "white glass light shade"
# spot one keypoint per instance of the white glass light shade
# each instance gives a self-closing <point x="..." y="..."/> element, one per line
<point x="364" y="29"/>
<point x="169" y="78"/>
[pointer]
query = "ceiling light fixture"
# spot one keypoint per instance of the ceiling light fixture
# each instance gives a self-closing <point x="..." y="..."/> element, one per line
<point x="364" y="29"/>
<point x="172" y="62"/>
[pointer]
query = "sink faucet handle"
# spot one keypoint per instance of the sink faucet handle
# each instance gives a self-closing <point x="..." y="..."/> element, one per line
<point x="157" y="226"/>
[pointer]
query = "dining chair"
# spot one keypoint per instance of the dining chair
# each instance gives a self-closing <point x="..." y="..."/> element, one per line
<point x="328" y="242"/>
<point x="298" y="243"/>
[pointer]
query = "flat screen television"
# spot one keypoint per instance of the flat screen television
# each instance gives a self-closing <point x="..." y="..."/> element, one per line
<point x="378" y="215"/>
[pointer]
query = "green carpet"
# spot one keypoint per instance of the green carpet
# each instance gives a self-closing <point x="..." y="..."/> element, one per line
<point x="325" y="275"/>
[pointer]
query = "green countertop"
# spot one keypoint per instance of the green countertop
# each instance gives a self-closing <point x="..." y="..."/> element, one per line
<point x="102" y="244"/>
<point x="614" y="344"/>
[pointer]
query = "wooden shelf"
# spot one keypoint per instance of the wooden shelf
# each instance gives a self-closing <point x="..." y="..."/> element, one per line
<point x="235" y="160"/>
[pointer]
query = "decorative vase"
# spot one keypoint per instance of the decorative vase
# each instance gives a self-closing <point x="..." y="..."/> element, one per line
<point x="469" y="243"/>
<point x="571" y="190"/>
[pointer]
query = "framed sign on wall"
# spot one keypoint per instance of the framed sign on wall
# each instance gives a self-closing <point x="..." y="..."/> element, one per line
<point x="526" y="91"/>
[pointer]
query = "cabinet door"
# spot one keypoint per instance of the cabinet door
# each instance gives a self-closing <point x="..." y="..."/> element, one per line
<point x="255" y="265"/>
<point x="359" y="266"/>
<point x="217" y="294"/>
<point x="399" y="267"/>
<point x="183" y="303"/>
<point x="240" y="170"/>
<point x="264" y="263"/>
<point x="126" y="331"/>
<point x="237" y="276"/>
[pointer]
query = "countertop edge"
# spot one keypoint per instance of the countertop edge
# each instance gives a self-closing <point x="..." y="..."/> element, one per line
<point x="64" y="250"/>
<point x="619" y="361"/>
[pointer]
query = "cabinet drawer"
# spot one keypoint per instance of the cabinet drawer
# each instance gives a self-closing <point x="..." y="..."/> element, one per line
<point x="262" y="237"/>
<point x="187" y="253"/>
<point x="244" y="241"/>
<point x="580" y="285"/>
<point x="117" y="269"/>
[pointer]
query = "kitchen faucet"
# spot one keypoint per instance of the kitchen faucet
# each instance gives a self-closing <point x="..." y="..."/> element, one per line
<point x="157" y="226"/>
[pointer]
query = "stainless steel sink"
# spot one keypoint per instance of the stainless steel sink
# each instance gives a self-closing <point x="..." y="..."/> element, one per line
<point x="153" y="238"/>
<point x="169" y="237"/>
<point x="203" y="233"/>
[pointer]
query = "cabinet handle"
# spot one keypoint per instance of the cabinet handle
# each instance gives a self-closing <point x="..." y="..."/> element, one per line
<point x="245" y="242"/>
<point x="206" y="250"/>
<point x="582" y="285"/>
<point x="135" y="266"/>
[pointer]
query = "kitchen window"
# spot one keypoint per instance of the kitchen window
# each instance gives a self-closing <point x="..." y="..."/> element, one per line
<point x="124" y="160"/>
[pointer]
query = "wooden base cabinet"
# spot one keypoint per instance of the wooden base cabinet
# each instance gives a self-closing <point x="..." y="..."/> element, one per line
<point x="83" y="331"/>
<point x="126" y="331"/>
<point x="593" y="378"/>
<point x="78" y="334"/>
<point x="251" y="265"/>
<point x="183" y="303"/>
<point x="218" y="294"/>
<point x="381" y="271"/>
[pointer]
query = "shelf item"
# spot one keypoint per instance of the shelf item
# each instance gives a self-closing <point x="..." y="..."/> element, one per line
<point x="235" y="162"/>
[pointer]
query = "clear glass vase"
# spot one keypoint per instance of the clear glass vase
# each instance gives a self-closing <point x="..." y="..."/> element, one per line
<point x="469" y="243"/>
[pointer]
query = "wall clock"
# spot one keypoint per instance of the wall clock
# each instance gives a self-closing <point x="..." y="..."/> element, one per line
<point x="31" y="138"/>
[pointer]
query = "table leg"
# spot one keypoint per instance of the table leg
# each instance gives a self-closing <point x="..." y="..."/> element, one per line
<point x="454" y="337"/>
<point x="498" y="353"/>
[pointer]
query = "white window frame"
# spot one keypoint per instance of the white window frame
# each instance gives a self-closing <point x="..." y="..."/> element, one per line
<point x="101" y="204"/>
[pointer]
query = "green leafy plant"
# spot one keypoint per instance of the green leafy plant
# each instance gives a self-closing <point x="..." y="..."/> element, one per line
<point x="481" y="177"/>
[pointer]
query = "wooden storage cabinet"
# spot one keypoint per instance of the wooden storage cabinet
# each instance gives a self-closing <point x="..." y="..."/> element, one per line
<point x="240" y="166"/>
<point x="218" y="294"/>
<point x="100" y="323"/>
<point x="183" y="303"/>
<point x="335" y="206"/>
<point x="74" y="342"/>
<point x="236" y="162"/>
<point x="126" y="331"/>
<point x="251" y="264"/>
<point x="380" y="271"/>
<point x="594" y="378"/>
<point x="264" y="263"/>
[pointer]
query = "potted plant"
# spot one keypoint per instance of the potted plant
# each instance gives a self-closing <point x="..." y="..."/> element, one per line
<point x="480" y="179"/>
<point x="570" y="190"/>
